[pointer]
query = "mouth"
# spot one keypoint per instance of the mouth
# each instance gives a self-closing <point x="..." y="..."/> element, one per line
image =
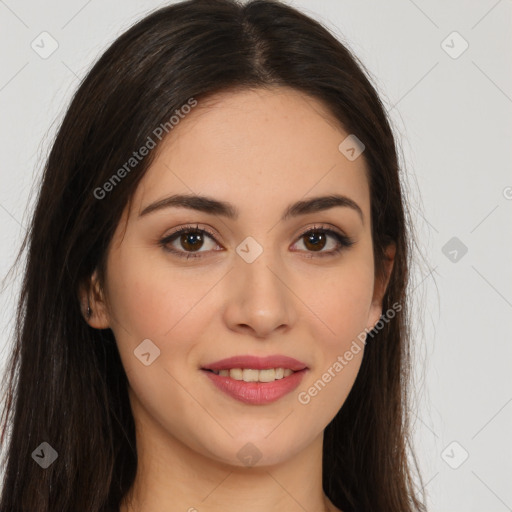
<point x="255" y="380"/>
<point x="256" y="363"/>
<point x="253" y="374"/>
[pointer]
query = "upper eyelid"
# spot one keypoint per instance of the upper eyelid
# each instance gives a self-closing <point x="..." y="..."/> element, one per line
<point x="317" y="227"/>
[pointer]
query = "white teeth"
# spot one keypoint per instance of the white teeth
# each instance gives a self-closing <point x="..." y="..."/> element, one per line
<point x="236" y="373"/>
<point x="250" y="375"/>
<point x="267" y="375"/>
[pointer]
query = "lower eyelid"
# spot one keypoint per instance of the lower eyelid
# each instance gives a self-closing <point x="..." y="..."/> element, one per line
<point x="167" y="240"/>
<point x="344" y="242"/>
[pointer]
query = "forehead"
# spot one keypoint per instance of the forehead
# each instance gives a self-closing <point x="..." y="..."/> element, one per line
<point x="253" y="148"/>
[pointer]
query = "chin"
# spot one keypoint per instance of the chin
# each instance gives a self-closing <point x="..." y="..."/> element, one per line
<point x="256" y="451"/>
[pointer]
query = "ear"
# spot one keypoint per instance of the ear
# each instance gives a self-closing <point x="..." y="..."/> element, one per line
<point x="92" y="296"/>
<point x="380" y="287"/>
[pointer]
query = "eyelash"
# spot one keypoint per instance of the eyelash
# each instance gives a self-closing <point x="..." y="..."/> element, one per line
<point x="343" y="241"/>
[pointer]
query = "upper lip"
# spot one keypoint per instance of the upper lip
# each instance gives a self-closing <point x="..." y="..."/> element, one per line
<point x="257" y="363"/>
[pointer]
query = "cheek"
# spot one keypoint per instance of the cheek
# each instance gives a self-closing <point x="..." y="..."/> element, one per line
<point x="339" y="302"/>
<point x="327" y="388"/>
<point x="344" y="313"/>
<point x="163" y="304"/>
<point x="149" y="298"/>
<point x="341" y="305"/>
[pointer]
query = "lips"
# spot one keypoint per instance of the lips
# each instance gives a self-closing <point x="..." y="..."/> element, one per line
<point x="260" y="392"/>
<point x="256" y="393"/>
<point x="256" y="363"/>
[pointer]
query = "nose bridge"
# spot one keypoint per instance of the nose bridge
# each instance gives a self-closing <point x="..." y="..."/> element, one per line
<point x="257" y="267"/>
<point x="260" y="297"/>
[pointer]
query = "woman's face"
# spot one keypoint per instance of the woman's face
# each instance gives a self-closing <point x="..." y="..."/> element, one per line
<point x="253" y="284"/>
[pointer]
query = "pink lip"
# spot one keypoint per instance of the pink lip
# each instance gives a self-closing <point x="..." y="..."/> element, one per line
<point x="256" y="393"/>
<point x="257" y="363"/>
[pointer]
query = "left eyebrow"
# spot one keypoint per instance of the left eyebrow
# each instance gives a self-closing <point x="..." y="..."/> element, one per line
<point x="225" y="209"/>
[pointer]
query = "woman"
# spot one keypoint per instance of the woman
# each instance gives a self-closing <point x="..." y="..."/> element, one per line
<point x="213" y="314"/>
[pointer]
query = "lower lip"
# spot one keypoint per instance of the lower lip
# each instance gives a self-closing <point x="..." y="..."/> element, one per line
<point x="257" y="393"/>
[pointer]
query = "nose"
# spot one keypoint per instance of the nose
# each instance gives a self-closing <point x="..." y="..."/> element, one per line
<point x="260" y="299"/>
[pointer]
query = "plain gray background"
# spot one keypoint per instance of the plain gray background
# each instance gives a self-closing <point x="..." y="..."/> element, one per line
<point x="451" y="108"/>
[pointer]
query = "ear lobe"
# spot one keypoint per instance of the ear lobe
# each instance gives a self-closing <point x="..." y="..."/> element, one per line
<point x="93" y="303"/>
<point x="380" y="286"/>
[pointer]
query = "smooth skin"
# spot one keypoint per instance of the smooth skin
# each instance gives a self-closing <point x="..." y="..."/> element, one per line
<point x="260" y="150"/>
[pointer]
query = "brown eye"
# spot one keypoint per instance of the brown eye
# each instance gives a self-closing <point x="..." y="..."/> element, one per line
<point x="191" y="241"/>
<point x="186" y="241"/>
<point x="315" y="240"/>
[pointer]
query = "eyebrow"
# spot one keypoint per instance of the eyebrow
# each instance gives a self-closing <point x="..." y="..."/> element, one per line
<point x="216" y="207"/>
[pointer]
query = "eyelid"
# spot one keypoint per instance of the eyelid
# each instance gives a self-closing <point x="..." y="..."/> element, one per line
<point x="192" y="228"/>
<point x="319" y="226"/>
<point x="185" y="229"/>
<point x="344" y="241"/>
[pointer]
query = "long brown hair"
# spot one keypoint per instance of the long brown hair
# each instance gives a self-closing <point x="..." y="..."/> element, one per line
<point x="65" y="382"/>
